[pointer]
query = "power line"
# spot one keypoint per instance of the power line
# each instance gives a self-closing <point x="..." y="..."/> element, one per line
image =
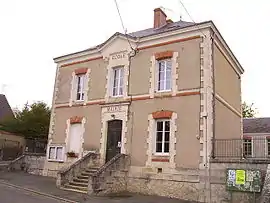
<point x="191" y="17"/>
<point x="125" y="30"/>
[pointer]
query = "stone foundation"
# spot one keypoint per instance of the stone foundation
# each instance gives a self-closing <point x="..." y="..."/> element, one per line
<point x="30" y="162"/>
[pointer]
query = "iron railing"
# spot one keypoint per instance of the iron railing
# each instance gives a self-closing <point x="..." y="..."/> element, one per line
<point x="250" y="148"/>
<point x="35" y="145"/>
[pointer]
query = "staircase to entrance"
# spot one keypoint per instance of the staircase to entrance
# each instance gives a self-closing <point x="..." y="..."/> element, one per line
<point x="88" y="177"/>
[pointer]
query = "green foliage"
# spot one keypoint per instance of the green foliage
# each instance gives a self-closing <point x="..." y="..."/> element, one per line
<point x="248" y="111"/>
<point x="32" y="121"/>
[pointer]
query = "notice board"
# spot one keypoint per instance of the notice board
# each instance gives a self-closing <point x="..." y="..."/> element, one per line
<point x="245" y="180"/>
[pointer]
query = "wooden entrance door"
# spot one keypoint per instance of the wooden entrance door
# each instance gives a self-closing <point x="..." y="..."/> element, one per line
<point x="114" y="134"/>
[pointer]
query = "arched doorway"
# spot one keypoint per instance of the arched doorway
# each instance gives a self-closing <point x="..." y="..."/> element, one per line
<point x="114" y="135"/>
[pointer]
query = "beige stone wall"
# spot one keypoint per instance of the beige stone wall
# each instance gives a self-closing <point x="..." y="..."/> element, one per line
<point x="228" y="83"/>
<point x="228" y="123"/>
<point x="96" y="83"/>
<point x="187" y="109"/>
<point x="188" y="69"/>
<point x="92" y="115"/>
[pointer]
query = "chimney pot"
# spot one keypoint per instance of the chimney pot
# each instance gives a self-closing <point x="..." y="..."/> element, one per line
<point x="159" y="18"/>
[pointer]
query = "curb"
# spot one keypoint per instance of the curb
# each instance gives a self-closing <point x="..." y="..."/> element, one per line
<point x="37" y="192"/>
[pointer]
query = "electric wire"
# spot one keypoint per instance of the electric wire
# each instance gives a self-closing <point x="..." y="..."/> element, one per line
<point x="121" y="19"/>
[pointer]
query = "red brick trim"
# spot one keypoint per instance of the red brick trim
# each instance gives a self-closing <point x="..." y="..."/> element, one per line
<point x="75" y="119"/>
<point x="169" y="42"/>
<point x="81" y="71"/>
<point x="164" y="55"/>
<point x="188" y="93"/>
<point x="268" y="137"/>
<point x="133" y="99"/>
<point x="160" y="160"/>
<point x="162" y="114"/>
<point x="247" y="137"/>
<point x="83" y="61"/>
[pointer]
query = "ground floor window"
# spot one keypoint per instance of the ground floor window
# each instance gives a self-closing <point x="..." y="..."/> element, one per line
<point x="162" y="141"/>
<point x="56" y="153"/>
<point x="268" y="146"/>
<point x="247" y="147"/>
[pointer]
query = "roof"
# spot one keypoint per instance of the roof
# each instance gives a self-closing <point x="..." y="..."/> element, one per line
<point x="143" y="33"/>
<point x="5" y="109"/>
<point x="256" y="125"/>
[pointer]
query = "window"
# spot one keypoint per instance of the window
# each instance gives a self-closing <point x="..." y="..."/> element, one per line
<point x="80" y="87"/>
<point x="118" y="76"/>
<point x="268" y="146"/>
<point x="75" y="136"/>
<point x="162" y="143"/>
<point x="56" y="153"/>
<point x="164" y="82"/>
<point x="247" y="147"/>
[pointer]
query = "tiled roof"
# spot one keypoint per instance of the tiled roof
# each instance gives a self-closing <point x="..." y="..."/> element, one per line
<point x="165" y="28"/>
<point x="5" y="109"/>
<point x="256" y="125"/>
<point x="146" y="32"/>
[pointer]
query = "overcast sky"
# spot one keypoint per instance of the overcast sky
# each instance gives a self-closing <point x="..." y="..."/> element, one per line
<point x="33" y="32"/>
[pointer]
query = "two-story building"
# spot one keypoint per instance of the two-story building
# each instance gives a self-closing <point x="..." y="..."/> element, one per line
<point x="159" y="95"/>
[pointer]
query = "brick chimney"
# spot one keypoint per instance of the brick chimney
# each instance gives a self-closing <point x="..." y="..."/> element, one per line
<point x="159" y="18"/>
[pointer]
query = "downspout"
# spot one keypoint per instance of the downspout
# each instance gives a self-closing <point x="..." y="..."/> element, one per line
<point x="130" y="114"/>
<point x="214" y="96"/>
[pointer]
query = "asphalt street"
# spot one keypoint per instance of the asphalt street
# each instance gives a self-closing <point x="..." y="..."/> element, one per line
<point x="9" y="194"/>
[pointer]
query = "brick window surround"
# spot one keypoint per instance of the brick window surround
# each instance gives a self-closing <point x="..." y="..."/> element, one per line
<point x="163" y="114"/>
<point x="80" y="71"/>
<point x="76" y="119"/>
<point x="163" y="55"/>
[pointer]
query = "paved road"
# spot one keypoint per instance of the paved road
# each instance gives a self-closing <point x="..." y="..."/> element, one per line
<point x="9" y="194"/>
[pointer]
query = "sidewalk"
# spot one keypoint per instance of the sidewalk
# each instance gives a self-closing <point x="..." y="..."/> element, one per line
<point x="47" y="185"/>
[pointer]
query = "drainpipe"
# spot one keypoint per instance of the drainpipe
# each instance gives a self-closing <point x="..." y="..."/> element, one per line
<point x="214" y="96"/>
<point x="130" y="114"/>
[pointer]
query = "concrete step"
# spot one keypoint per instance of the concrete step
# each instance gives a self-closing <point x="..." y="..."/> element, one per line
<point x="80" y="180"/>
<point x="74" y="190"/>
<point x="83" y="176"/>
<point x="87" y="173"/>
<point x="76" y="183"/>
<point x="80" y="188"/>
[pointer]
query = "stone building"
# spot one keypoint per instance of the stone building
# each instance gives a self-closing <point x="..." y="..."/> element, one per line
<point x="158" y="95"/>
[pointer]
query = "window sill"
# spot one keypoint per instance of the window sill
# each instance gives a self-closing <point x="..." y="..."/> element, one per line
<point x="58" y="161"/>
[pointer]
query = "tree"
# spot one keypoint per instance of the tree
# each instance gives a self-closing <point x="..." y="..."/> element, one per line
<point x="32" y="121"/>
<point x="248" y="111"/>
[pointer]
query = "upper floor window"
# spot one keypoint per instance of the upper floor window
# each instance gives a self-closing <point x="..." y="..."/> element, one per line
<point x="118" y="77"/>
<point x="164" y="79"/>
<point x="247" y="147"/>
<point x="162" y="142"/>
<point x="80" y="86"/>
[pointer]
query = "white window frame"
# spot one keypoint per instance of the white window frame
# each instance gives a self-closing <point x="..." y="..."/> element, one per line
<point x="82" y="85"/>
<point x="163" y="137"/>
<point x="267" y="147"/>
<point x="118" y="87"/>
<point x="165" y="79"/>
<point x="244" y="140"/>
<point x="55" y="158"/>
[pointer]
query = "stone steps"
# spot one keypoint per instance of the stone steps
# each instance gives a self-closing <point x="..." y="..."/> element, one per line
<point x="80" y="183"/>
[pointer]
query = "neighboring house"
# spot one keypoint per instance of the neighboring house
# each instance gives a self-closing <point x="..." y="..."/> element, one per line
<point x="5" y="109"/>
<point x="10" y="144"/>
<point x="161" y="104"/>
<point x="256" y="137"/>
